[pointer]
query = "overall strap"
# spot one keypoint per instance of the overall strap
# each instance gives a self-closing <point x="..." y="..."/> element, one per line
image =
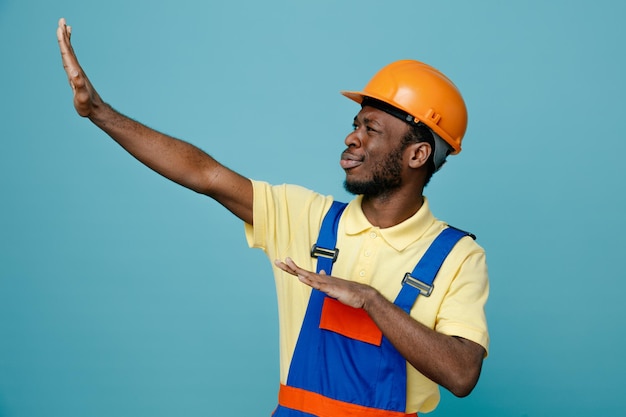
<point x="325" y="248"/>
<point x="420" y="281"/>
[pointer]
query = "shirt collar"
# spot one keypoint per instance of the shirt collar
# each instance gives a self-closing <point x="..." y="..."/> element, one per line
<point x="399" y="236"/>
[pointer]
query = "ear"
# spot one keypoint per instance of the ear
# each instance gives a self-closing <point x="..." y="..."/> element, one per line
<point x="420" y="152"/>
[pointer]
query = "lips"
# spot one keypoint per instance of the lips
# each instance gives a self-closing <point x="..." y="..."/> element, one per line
<point x="349" y="161"/>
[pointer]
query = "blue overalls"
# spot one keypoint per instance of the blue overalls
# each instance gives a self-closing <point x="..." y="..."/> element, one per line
<point x="342" y="364"/>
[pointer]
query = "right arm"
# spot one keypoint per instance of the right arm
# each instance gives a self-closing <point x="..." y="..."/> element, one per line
<point x="175" y="159"/>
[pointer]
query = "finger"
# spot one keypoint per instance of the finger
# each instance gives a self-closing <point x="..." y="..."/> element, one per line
<point x="291" y="263"/>
<point x="62" y="32"/>
<point x="284" y="267"/>
<point x="64" y="26"/>
<point x="308" y="281"/>
<point x="293" y="266"/>
<point x="70" y="62"/>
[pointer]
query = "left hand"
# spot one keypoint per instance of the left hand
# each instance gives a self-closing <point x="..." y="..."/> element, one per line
<point x="350" y="293"/>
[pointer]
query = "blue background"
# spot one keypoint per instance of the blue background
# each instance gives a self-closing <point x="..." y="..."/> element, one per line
<point x="122" y="294"/>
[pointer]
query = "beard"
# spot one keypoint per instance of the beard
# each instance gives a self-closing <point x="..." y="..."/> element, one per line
<point x="385" y="177"/>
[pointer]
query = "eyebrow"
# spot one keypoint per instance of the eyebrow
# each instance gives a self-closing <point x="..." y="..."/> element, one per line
<point x="368" y="120"/>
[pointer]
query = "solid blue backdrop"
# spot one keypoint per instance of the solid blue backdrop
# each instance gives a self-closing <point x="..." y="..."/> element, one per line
<point x="124" y="294"/>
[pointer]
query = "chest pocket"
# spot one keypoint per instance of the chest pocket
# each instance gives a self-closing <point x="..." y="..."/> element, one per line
<point x="348" y="321"/>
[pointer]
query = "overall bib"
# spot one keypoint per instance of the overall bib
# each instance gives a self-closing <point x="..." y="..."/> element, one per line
<point x="342" y="364"/>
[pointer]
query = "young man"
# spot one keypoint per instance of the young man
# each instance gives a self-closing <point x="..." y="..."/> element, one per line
<point x="360" y="333"/>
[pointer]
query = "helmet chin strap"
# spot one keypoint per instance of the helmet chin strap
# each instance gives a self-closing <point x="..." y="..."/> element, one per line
<point x="441" y="151"/>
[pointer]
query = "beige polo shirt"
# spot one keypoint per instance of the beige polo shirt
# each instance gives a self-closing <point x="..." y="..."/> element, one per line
<point x="287" y="220"/>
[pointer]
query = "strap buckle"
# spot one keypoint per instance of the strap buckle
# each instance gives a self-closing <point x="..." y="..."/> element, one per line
<point x="317" y="251"/>
<point x="424" y="288"/>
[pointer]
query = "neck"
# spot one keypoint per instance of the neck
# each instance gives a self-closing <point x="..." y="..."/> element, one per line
<point x="390" y="210"/>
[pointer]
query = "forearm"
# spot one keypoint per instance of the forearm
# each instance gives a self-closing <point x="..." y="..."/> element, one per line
<point x="451" y="362"/>
<point x="176" y="160"/>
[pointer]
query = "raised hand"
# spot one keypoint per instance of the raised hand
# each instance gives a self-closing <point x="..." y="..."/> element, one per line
<point x="86" y="99"/>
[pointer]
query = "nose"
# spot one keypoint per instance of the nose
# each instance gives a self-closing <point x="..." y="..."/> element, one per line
<point x="353" y="139"/>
